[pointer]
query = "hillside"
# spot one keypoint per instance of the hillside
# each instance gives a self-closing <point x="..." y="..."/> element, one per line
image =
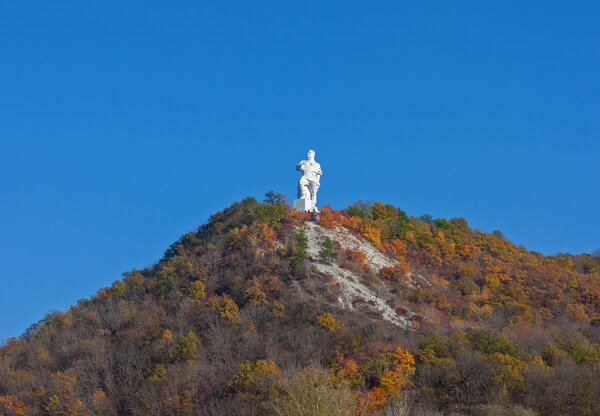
<point x="365" y="311"/>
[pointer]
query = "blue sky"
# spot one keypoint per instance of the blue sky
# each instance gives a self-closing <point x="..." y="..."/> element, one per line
<point x="125" y="124"/>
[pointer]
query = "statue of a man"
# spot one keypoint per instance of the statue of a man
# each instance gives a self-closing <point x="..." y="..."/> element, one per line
<point x="309" y="182"/>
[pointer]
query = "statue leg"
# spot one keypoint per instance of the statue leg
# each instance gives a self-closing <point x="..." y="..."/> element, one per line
<point x="303" y="190"/>
<point x="313" y="187"/>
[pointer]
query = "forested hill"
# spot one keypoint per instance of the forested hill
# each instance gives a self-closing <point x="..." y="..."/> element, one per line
<point x="365" y="311"/>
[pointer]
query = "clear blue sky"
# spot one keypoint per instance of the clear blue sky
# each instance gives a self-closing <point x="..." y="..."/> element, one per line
<point x="125" y="124"/>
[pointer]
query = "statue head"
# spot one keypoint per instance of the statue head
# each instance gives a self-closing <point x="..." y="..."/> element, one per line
<point x="310" y="155"/>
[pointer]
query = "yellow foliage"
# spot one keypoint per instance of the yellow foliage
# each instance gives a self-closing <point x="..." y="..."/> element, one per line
<point x="395" y="380"/>
<point x="153" y="376"/>
<point x="410" y="237"/>
<point x="577" y="312"/>
<point x="328" y="322"/>
<point x="508" y="370"/>
<point x="492" y="282"/>
<point x="372" y="234"/>
<point x="253" y="292"/>
<point x="482" y="312"/>
<point x="196" y="291"/>
<point x="278" y="309"/>
<point x="257" y="379"/>
<point x="392" y="382"/>
<point x="226" y="307"/>
<point x="573" y="284"/>
<point x="404" y="361"/>
<point x="468" y="251"/>
<point x="447" y="247"/>
<point x="545" y="313"/>
<point x="185" y="347"/>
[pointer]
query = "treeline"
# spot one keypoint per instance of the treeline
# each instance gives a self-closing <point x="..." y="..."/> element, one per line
<point x="235" y="320"/>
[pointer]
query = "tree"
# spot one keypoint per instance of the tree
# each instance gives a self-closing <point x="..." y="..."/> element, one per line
<point x="328" y="322"/>
<point x="196" y="291"/>
<point x="394" y="380"/>
<point x="301" y="247"/>
<point x="499" y="235"/>
<point x="372" y="234"/>
<point x="426" y="218"/>
<point x="226" y="307"/>
<point x="185" y="347"/>
<point x="253" y="292"/>
<point x="327" y="252"/>
<point x="361" y="209"/>
<point x="275" y="198"/>
<point x="310" y="392"/>
<point x="258" y="380"/>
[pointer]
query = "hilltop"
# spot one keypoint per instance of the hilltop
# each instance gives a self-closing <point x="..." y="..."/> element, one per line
<point x="263" y="310"/>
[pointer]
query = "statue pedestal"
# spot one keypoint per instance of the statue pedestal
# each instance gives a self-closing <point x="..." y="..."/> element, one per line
<point x="304" y="205"/>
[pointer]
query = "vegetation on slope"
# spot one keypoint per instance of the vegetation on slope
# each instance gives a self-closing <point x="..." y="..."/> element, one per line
<point x="235" y="320"/>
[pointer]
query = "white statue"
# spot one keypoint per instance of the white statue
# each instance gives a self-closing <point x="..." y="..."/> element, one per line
<point x="308" y="183"/>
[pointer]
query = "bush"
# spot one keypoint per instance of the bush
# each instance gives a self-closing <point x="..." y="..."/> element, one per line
<point x="309" y="392"/>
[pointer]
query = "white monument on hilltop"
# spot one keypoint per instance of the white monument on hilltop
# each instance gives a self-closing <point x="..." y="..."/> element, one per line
<point x="308" y="183"/>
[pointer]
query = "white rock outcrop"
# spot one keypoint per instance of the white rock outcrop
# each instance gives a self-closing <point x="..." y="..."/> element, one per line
<point x="352" y="285"/>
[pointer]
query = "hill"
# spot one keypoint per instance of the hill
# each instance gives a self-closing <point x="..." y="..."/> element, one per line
<point x="265" y="311"/>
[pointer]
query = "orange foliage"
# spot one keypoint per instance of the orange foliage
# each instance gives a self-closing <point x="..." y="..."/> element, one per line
<point x="301" y="217"/>
<point x="346" y="372"/>
<point x="396" y="379"/>
<point x="395" y="272"/>
<point x="329" y="218"/>
<point x="353" y="223"/>
<point x="396" y="247"/>
<point x="12" y="406"/>
<point x="376" y="398"/>
<point x="266" y="233"/>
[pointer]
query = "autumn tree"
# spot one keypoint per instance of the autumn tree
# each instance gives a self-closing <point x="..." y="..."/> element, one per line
<point x="310" y="392"/>
<point x="196" y="291"/>
<point x="259" y="380"/>
<point x="253" y="292"/>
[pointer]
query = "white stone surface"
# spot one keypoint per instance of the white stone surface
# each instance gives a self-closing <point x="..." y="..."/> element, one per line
<point x="309" y="183"/>
<point x="303" y="205"/>
<point x="351" y="284"/>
